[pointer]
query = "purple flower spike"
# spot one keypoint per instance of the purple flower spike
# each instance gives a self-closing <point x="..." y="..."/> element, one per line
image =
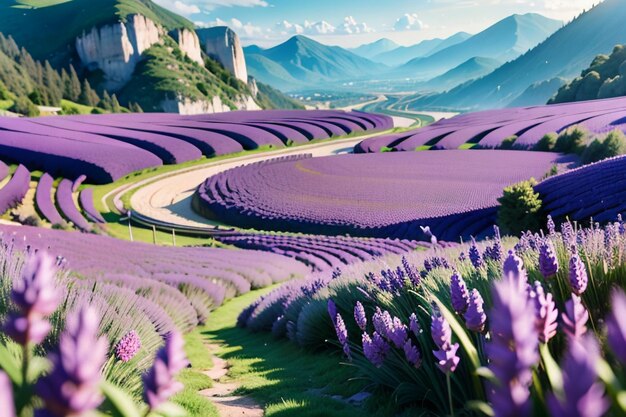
<point x="128" y="346"/>
<point x="397" y="333"/>
<point x="359" y="316"/>
<point x="342" y="335"/>
<point x="458" y="293"/>
<point x="440" y="331"/>
<point x="412" y="354"/>
<point x="474" y="255"/>
<point x="616" y="325"/>
<point x="160" y="381"/>
<point x="546" y="313"/>
<point x="411" y="272"/>
<point x="551" y="226"/>
<point x="36" y="297"/>
<point x="375" y="349"/>
<point x="577" y="274"/>
<point x="73" y="386"/>
<point x="583" y="395"/>
<point x="475" y="317"/>
<point x="447" y="359"/>
<point x="514" y="267"/>
<point x="7" y="407"/>
<point x="382" y="322"/>
<point x="548" y="262"/>
<point x="575" y="318"/>
<point x="332" y="310"/>
<point x="414" y="325"/>
<point x="513" y="349"/>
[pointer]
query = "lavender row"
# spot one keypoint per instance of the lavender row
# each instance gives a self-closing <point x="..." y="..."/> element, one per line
<point x="44" y="201"/>
<point x="12" y="194"/>
<point x="65" y="202"/>
<point x="86" y="202"/>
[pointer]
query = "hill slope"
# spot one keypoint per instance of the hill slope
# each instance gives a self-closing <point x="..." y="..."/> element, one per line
<point x="469" y="70"/>
<point x="505" y="40"/>
<point x="370" y="50"/>
<point x="403" y="54"/>
<point x="308" y="63"/>
<point x="564" y="54"/>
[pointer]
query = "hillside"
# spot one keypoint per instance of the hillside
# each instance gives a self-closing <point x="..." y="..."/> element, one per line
<point x="503" y="41"/>
<point x="301" y="62"/>
<point x="564" y="54"/>
<point x="404" y="54"/>
<point x="605" y="78"/>
<point x="373" y="49"/>
<point x="469" y="70"/>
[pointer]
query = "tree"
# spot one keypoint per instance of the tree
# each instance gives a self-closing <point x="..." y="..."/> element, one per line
<point x="115" y="104"/>
<point x="24" y="106"/>
<point x="135" y="108"/>
<point x="74" y="88"/>
<point x="572" y="140"/>
<point x="105" y="103"/>
<point x="88" y="96"/>
<point x="613" y="144"/>
<point x="520" y="208"/>
<point x="547" y="142"/>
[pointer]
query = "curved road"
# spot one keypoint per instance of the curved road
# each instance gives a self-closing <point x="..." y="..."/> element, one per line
<point x="166" y="199"/>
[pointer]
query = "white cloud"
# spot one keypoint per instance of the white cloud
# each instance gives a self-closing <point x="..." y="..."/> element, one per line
<point x="409" y="21"/>
<point x="244" y="30"/>
<point x="307" y="28"/>
<point x="351" y="26"/>
<point x="186" y="9"/>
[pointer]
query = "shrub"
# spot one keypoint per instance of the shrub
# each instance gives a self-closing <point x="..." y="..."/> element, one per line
<point x="547" y="142"/>
<point x="508" y="142"/>
<point x="24" y="106"/>
<point x="520" y="208"/>
<point x="613" y="144"/>
<point x="572" y="140"/>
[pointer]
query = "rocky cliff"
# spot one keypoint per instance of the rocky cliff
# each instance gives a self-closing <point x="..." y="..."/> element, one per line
<point x="116" y="48"/>
<point x="222" y="44"/>
<point x="189" y="43"/>
<point x="186" y="106"/>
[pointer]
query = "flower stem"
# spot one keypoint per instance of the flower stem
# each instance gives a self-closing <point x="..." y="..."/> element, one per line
<point x="449" y="394"/>
<point x="25" y="363"/>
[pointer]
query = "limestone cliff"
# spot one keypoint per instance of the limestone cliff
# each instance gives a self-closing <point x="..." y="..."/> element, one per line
<point x="116" y="48"/>
<point x="222" y="44"/>
<point x="189" y="43"/>
<point x="186" y="106"/>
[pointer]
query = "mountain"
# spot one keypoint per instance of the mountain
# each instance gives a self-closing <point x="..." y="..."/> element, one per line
<point x="469" y="70"/>
<point x="403" y="54"/>
<point x="303" y="62"/>
<point x="538" y="93"/>
<point x="370" y="50"/>
<point x="504" y="41"/>
<point x="605" y="78"/>
<point x="564" y="54"/>
<point x="137" y="49"/>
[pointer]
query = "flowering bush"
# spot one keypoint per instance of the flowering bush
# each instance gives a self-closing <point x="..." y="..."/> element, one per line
<point x="538" y="331"/>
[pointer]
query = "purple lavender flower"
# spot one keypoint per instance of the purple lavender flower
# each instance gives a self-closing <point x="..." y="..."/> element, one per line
<point x="342" y="335"/>
<point x="359" y="316"/>
<point x="475" y="317"/>
<point x="474" y="255"/>
<point x="411" y="272"/>
<point x="73" y="386"/>
<point x="160" y="381"/>
<point x="513" y="347"/>
<point x="496" y="250"/>
<point x="7" y="407"/>
<point x="546" y="313"/>
<point x="575" y="318"/>
<point x="583" y="395"/>
<point x="414" y="325"/>
<point x="375" y="349"/>
<point x="332" y="310"/>
<point x="447" y="359"/>
<point x="128" y="346"/>
<point x="397" y="333"/>
<point x="548" y="262"/>
<point x="616" y="325"/>
<point x="458" y="293"/>
<point x="577" y="274"/>
<point x="412" y="354"/>
<point x="621" y="227"/>
<point x="514" y="266"/>
<point x="462" y="257"/>
<point x="551" y="226"/>
<point x="36" y="297"/>
<point x="382" y="322"/>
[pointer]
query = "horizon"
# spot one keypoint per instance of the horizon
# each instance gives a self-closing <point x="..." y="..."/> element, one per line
<point x="267" y="23"/>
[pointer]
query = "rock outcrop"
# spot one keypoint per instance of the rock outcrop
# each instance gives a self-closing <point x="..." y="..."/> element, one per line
<point x="222" y="44"/>
<point x="252" y="85"/>
<point x="189" y="43"/>
<point x="116" y="48"/>
<point x="187" y="106"/>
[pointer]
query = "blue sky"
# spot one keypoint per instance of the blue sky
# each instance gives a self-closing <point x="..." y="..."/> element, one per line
<point x="353" y="22"/>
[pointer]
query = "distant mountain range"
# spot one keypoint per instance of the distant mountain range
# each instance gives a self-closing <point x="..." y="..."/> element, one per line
<point x="371" y="50"/>
<point x="471" y="69"/>
<point x="563" y="55"/>
<point x="404" y="54"/>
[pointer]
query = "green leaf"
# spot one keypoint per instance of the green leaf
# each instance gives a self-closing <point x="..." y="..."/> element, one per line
<point x="171" y="410"/>
<point x="36" y="367"/>
<point x="486" y="373"/>
<point x="481" y="407"/>
<point x="552" y="369"/>
<point x="10" y="364"/>
<point x="121" y="403"/>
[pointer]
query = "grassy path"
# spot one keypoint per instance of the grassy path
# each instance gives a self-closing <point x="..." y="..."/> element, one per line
<point x="284" y="379"/>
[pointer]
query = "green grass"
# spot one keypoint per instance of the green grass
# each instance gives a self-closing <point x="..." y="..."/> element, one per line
<point x="82" y="109"/>
<point x="468" y="146"/>
<point x="280" y="376"/>
<point x="6" y="104"/>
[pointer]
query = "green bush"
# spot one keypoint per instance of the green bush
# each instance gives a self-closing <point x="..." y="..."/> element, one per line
<point x="572" y="140"/>
<point x="24" y="106"/>
<point x="508" y="142"/>
<point x="613" y="144"/>
<point x="547" y="142"/>
<point x="520" y="208"/>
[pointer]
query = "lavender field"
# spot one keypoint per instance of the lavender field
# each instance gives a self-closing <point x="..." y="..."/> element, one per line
<point x="398" y="210"/>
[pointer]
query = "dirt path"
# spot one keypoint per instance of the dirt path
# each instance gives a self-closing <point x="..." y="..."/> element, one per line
<point x="221" y="393"/>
